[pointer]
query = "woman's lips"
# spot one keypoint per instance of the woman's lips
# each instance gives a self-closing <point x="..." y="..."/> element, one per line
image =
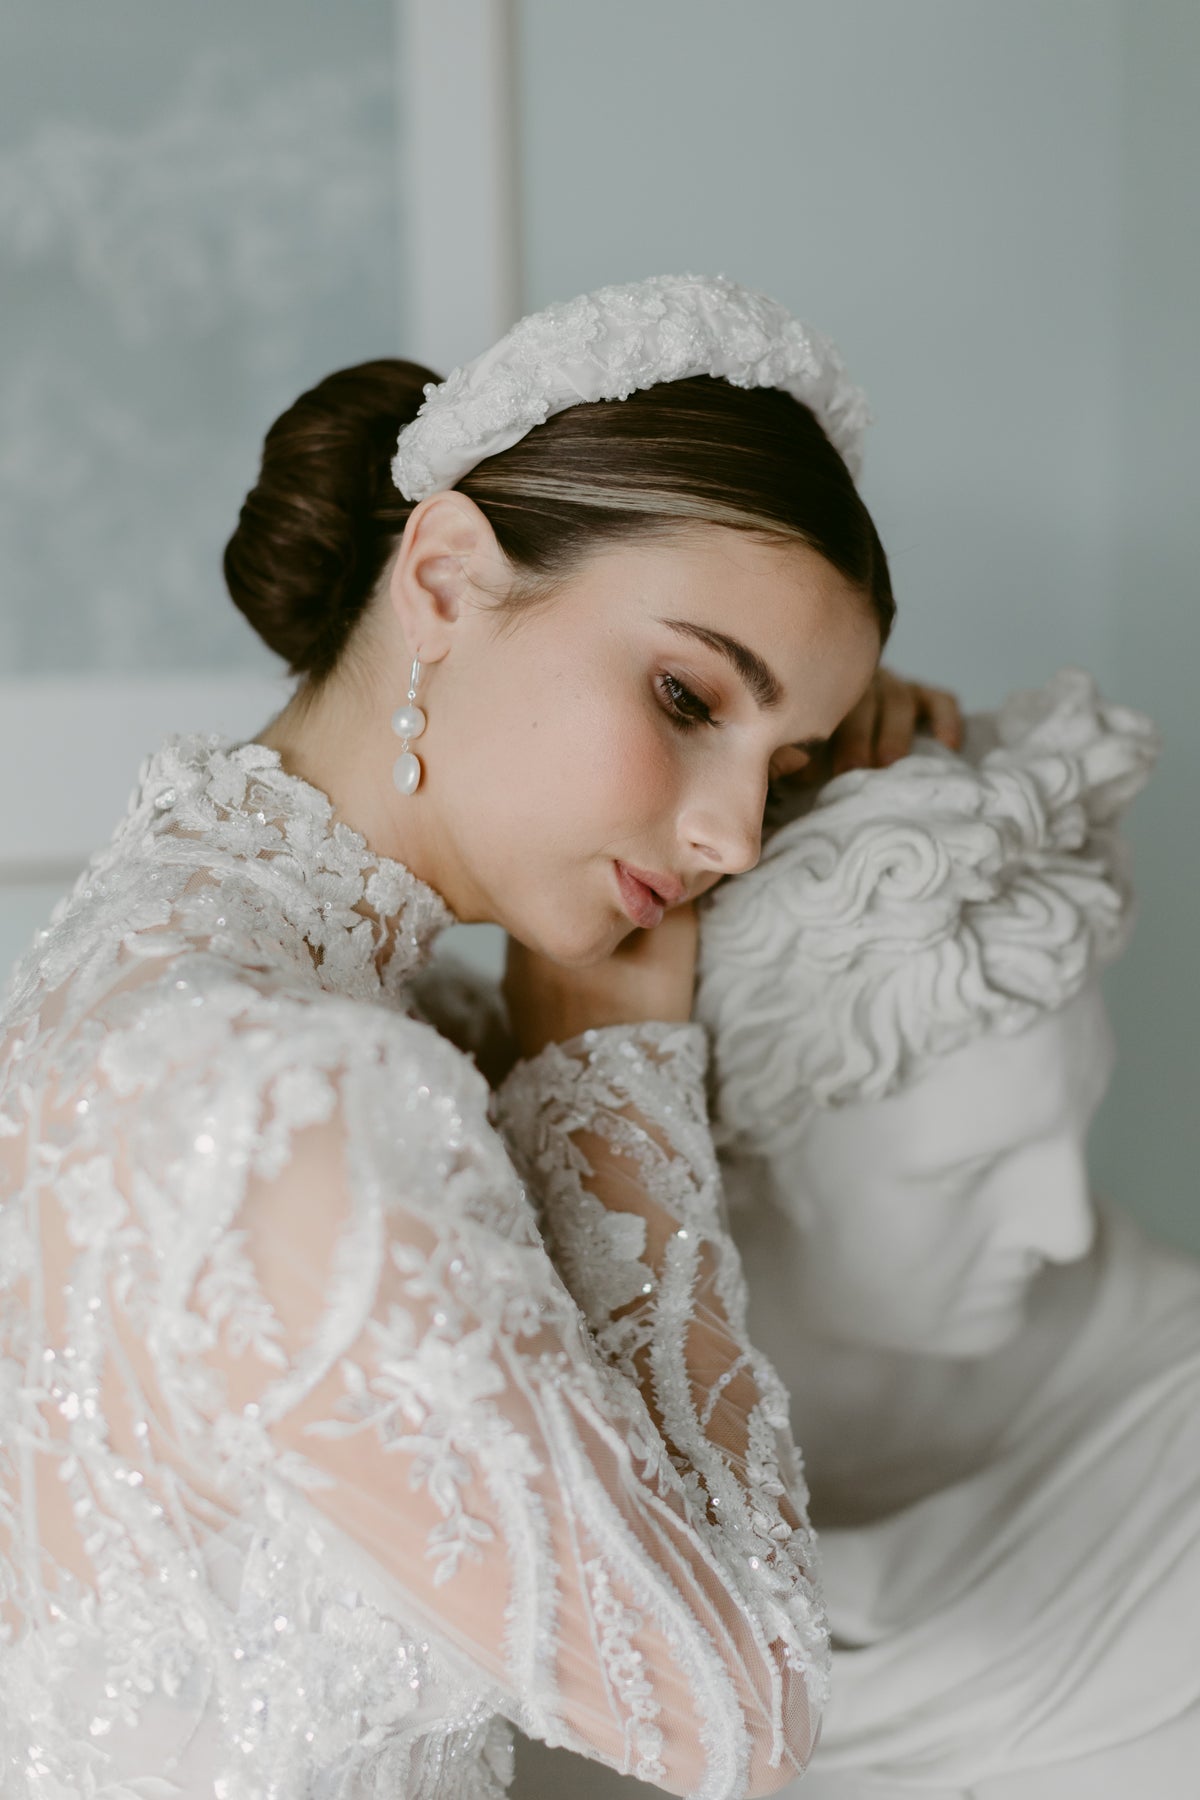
<point x="640" y="902"/>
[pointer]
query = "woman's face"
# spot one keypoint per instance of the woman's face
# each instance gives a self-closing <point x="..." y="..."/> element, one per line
<point x="610" y="727"/>
<point x="926" y="1216"/>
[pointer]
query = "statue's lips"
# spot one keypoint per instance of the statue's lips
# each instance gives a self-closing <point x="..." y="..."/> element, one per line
<point x="1000" y="1290"/>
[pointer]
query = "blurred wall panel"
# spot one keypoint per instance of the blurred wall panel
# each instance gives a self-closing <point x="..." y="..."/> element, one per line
<point x="198" y="217"/>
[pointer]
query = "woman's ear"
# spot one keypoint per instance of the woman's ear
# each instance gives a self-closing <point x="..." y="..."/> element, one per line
<point x="447" y="557"/>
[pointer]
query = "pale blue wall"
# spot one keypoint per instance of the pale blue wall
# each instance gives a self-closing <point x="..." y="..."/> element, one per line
<point x="933" y="182"/>
<point x="1150" y="1139"/>
<point x="992" y="208"/>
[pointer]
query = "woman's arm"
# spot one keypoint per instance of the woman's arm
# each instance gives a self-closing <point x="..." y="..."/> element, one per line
<point x="610" y="1128"/>
<point x="611" y="1132"/>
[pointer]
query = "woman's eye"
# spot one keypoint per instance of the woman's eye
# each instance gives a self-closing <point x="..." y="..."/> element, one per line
<point x="683" y="707"/>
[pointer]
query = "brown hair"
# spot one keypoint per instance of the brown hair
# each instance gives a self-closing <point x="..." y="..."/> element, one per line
<point x="316" y="530"/>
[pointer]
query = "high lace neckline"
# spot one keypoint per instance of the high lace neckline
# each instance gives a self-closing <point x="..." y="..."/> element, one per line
<point x="369" y="920"/>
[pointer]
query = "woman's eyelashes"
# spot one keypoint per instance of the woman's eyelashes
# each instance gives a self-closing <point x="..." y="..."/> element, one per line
<point x="685" y="709"/>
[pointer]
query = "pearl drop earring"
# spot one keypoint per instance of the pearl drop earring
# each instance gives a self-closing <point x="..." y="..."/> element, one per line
<point x="408" y="722"/>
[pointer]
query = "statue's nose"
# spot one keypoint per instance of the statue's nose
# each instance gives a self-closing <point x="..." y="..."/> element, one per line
<point x="1057" y="1211"/>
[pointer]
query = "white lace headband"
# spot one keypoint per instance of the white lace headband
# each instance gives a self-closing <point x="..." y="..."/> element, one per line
<point x="607" y="344"/>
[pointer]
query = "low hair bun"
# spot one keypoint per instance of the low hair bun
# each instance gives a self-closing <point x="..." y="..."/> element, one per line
<point x="316" y="529"/>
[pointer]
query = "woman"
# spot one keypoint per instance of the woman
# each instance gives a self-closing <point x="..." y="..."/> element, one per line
<point x="315" y="1468"/>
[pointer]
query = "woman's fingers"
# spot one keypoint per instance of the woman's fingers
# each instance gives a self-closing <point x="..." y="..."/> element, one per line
<point x="941" y="712"/>
<point x="881" y="728"/>
<point x="898" y="717"/>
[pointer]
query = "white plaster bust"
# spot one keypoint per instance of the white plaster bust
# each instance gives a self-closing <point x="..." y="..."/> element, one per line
<point x="996" y="1381"/>
<point x="997" y="1385"/>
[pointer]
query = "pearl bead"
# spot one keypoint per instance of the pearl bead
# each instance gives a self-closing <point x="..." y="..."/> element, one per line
<point x="408" y="721"/>
<point x="406" y="773"/>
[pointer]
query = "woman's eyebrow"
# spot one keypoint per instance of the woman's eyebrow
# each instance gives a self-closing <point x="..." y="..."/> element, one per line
<point x="762" y="683"/>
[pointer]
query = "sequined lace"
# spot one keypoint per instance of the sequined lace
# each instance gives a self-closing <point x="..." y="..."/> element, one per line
<point x="348" y="1411"/>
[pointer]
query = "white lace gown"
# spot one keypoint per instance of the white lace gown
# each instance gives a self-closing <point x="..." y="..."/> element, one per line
<point x="348" y="1411"/>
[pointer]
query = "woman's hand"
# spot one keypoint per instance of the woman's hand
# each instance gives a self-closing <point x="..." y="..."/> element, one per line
<point x="881" y="728"/>
<point x="650" y="975"/>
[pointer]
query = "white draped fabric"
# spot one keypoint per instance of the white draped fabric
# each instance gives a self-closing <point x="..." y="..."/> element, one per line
<point x="1042" y="1610"/>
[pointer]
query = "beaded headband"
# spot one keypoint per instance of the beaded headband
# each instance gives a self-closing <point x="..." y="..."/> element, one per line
<point x="610" y="343"/>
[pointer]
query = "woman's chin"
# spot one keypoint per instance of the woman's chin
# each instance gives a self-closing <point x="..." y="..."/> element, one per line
<point x="575" y="946"/>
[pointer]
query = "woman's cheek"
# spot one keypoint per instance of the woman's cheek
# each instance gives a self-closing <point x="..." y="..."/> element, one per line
<point x="651" y="765"/>
<point x="609" y="762"/>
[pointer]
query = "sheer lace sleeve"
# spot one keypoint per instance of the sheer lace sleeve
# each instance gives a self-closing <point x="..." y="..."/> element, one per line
<point x="612" y="1134"/>
<point x="365" y="1323"/>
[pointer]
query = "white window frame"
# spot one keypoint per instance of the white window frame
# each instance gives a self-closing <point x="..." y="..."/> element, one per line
<point x="459" y="176"/>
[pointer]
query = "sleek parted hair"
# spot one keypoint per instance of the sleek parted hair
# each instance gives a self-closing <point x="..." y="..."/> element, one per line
<point x="317" y="528"/>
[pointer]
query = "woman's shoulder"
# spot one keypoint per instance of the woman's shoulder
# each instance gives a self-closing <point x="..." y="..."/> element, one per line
<point x="209" y="1095"/>
<point x="161" y="1025"/>
<point x="221" y="849"/>
<point x="216" y="1018"/>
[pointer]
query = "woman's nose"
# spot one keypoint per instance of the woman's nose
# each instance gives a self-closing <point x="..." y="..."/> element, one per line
<point x="723" y="824"/>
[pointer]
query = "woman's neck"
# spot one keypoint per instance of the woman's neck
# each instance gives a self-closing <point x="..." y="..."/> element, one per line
<point x="338" y="737"/>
